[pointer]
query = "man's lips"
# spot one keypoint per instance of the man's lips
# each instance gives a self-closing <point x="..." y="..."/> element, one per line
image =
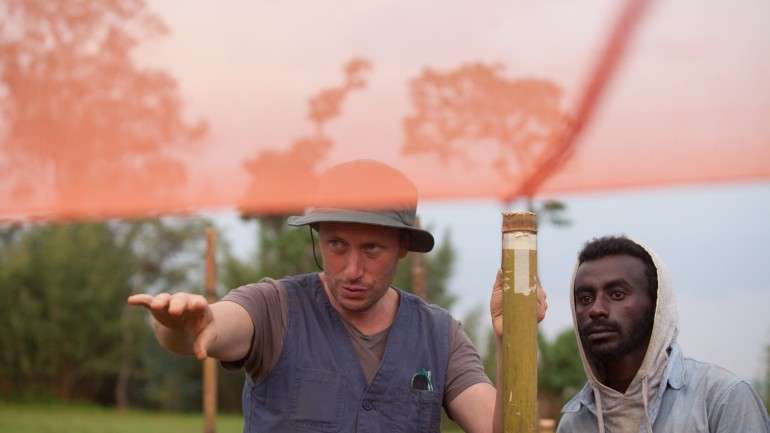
<point x="600" y="332"/>
<point x="354" y="291"/>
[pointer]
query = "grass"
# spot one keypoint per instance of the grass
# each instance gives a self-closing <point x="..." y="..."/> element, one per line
<point x="60" y="418"/>
<point x="64" y="418"/>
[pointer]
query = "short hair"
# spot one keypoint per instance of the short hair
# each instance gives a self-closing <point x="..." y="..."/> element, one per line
<point x="598" y="248"/>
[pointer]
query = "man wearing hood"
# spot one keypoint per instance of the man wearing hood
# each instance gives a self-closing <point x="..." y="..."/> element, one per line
<point x="638" y="379"/>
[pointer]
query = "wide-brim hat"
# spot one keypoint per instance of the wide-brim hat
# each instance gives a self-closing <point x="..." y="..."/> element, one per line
<point x="366" y="176"/>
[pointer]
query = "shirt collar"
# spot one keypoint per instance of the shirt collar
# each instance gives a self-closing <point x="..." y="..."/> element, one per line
<point x="674" y="376"/>
<point x="676" y="367"/>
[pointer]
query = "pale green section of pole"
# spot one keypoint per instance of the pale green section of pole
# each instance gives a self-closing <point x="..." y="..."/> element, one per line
<point x="519" y="323"/>
<point x="209" y="364"/>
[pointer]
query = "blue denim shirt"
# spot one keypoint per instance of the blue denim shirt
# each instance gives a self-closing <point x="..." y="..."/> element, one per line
<point x="697" y="398"/>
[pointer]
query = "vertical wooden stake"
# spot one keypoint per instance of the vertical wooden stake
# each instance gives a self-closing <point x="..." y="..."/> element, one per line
<point x="519" y="322"/>
<point x="209" y="364"/>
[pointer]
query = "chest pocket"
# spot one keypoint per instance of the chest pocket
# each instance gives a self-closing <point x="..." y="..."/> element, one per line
<point x="428" y="405"/>
<point x="316" y="404"/>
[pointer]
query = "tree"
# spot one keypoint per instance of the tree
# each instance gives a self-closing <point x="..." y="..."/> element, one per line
<point x="67" y="330"/>
<point x="68" y="285"/>
<point x="474" y="115"/>
<point x="168" y="254"/>
<point x="292" y="173"/>
<point x="561" y="372"/>
<point x="438" y="264"/>
<point x="77" y="110"/>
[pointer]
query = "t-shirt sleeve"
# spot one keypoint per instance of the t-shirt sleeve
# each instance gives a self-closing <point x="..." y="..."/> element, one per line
<point x="267" y="305"/>
<point x="465" y="367"/>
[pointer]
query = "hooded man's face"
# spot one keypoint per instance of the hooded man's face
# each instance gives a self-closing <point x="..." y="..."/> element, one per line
<point x="613" y="307"/>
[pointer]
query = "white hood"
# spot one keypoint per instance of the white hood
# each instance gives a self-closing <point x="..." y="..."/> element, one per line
<point x="628" y="412"/>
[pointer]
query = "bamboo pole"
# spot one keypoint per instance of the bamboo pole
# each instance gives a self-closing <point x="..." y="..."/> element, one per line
<point x="209" y="364"/>
<point x="419" y="283"/>
<point x="519" y="253"/>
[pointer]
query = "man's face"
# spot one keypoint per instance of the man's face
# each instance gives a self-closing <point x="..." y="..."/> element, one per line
<point x="613" y="307"/>
<point x="359" y="262"/>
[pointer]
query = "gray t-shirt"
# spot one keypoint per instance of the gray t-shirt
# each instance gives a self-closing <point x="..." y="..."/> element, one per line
<point x="267" y="306"/>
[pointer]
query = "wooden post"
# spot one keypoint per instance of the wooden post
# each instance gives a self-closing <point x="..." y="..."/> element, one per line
<point x="209" y="364"/>
<point x="419" y="283"/>
<point x="520" y="322"/>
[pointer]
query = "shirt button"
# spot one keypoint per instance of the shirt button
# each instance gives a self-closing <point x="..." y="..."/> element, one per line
<point x="367" y="405"/>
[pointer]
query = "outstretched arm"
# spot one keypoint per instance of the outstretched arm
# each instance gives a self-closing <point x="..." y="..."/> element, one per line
<point x="187" y="324"/>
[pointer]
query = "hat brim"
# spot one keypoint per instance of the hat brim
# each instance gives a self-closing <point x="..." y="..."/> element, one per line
<point x="420" y="240"/>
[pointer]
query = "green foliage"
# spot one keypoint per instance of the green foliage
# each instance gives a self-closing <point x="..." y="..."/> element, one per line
<point x="438" y="271"/>
<point x="490" y="356"/>
<point x="56" y="279"/>
<point x="561" y="370"/>
<point x="549" y="211"/>
<point x="473" y="323"/>
<point x="169" y="381"/>
<point x="281" y="250"/>
<point x="67" y="330"/>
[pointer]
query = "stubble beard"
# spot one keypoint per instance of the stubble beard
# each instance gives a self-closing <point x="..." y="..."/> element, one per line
<point x="335" y="287"/>
<point x="638" y="337"/>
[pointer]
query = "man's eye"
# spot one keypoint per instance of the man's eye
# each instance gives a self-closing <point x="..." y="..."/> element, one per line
<point x="585" y="300"/>
<point x="617" y="295"/>
<point x="372" y="249"/>
<point x="335" y="244"/>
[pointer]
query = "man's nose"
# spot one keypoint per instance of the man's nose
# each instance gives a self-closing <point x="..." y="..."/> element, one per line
<point x="354" y="267"/>
<point x="598" y="308"/>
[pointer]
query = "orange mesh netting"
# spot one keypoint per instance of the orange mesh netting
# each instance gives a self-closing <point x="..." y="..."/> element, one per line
<point x="127" y="109"/>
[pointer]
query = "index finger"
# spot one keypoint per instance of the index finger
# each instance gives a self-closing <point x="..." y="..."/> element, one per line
<point x="141" y="299"/>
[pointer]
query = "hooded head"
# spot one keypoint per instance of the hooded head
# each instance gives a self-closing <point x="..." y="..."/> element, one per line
<point x="625" y="320"/>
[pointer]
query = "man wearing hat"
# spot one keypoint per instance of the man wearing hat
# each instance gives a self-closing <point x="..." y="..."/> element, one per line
<point x="341" y="350"/>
